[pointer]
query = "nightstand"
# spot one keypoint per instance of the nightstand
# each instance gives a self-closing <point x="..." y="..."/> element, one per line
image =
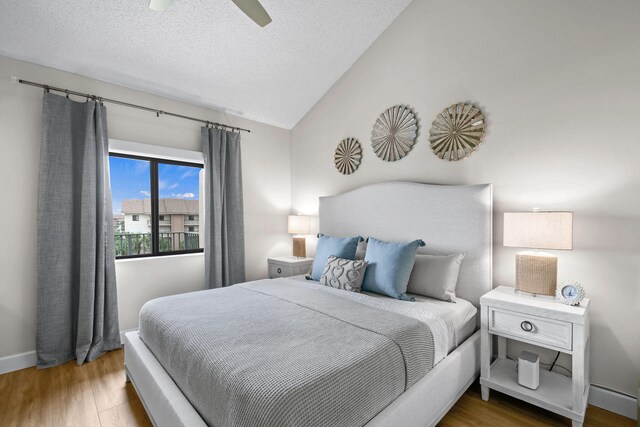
<point x="286" y="266"/>
<point x="544" y="322"/>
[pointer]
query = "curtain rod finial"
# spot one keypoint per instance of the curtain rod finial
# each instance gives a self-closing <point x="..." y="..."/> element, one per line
<point x="15" y="80"/>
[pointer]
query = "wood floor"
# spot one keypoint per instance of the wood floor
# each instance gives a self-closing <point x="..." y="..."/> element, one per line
<point x="95" y="394"/>
<point x="502" y="410"/>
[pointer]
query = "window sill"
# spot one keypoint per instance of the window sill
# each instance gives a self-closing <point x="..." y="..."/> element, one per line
<point x="155" y="257"/>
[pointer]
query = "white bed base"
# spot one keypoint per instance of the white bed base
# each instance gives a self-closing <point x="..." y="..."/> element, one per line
<point x="428" y="400"/>
<point x="162" y="399"/>
<point x="424" y="404"/>
<point x="450" y="218"/>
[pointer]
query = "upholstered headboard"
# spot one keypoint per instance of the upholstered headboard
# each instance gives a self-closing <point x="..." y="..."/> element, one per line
<point x="449" y="218"/>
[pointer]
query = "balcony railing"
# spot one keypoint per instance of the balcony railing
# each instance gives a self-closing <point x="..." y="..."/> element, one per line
<point x="128" y="244"/>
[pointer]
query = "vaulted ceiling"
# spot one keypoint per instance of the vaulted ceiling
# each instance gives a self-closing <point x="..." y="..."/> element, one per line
<point x="206" y="52"/>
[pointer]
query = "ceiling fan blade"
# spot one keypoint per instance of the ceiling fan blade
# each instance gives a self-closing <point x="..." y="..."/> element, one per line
<point x="254" y="10"/>
<point x="159" y="5"/>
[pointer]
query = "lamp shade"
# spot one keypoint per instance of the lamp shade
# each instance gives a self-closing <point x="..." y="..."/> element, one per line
<point x="538" y="230"/>
<point x="299" y="224"/>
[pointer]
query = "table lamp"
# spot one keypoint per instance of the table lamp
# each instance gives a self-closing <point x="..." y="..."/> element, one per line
<point x="299" y="225"/>
<point x="537" y="272"/>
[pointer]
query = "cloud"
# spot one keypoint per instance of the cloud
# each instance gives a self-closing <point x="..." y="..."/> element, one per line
<point x="164" y="185"/>
<point x="177" y="196"/>
<point x="145" y="192"/>
<point x="141" y="167"/>
<point x="187" y="174"/>
<point x="184" y="195"/>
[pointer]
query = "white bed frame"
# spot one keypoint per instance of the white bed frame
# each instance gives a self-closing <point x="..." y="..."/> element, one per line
<point x="449" y="219"/>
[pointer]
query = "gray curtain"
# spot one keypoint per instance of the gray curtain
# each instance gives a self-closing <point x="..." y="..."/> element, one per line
<point x="224" y="218"/>
<point x="77" y="312"/>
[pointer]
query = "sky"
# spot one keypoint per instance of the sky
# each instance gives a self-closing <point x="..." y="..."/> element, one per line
<point x="130" y="179"/>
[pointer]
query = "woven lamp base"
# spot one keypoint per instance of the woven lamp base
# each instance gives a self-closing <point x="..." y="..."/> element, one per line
<point x="536" y="273"/>
<point x="299" y="247"/>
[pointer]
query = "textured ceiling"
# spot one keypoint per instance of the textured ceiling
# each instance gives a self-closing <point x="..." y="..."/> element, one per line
<point x="204" y="52"/>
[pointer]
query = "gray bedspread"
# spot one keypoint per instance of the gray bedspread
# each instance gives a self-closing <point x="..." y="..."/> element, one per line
<point x="280" y="353"/>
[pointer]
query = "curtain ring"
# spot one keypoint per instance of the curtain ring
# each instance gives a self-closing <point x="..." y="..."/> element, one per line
<point x="46" y="89"/>
<point x="66" y="91"/>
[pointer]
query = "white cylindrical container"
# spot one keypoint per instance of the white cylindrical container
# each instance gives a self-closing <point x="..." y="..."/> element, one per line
<point x="529" y="370"/>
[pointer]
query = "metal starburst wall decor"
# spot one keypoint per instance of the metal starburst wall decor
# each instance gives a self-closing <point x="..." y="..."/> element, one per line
<point x="394" y="133"/>
<point x="348" y="155"/>
<point x="457" y="131"/>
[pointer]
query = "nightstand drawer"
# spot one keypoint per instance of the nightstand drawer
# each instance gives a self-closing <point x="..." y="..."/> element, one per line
<point x="279" y="271"/>
<point x="531" y="328"/>
<point x="288" y="266"/>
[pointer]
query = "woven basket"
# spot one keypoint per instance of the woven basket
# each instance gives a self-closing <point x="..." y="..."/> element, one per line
<point x="536" y="274"/>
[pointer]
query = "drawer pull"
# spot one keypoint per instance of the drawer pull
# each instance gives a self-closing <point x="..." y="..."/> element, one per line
<point x="526" y="326"/>
<point x="279" y="270"/>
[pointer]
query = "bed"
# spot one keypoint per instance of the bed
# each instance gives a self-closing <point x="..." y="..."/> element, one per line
<point x="421" y="364"/>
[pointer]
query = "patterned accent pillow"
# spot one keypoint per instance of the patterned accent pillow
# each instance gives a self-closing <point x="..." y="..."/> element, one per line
<point x="341" y="273"/>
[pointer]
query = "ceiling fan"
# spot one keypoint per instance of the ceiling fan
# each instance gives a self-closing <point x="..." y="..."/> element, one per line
<point x="252" y="8"/>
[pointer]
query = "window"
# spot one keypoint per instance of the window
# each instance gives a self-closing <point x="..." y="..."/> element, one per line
<point x="191" y="218"/>
<point x="156" y="190"/>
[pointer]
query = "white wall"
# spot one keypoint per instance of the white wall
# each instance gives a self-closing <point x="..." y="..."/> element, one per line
<point x="140" y="226"/>
<point x="558" y="83"/>
<point x="266" y="175"/>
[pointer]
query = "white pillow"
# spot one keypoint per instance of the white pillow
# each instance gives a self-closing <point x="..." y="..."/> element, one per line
<point x="435" y="276"/>
<point x="361" y="250"/>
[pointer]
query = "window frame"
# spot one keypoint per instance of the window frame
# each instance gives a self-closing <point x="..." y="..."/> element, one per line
<point x="155" y="196"/>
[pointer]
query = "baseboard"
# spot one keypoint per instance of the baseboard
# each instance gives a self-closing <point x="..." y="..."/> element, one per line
<point x="15" y="362"/>
<point x="613" y="401"/>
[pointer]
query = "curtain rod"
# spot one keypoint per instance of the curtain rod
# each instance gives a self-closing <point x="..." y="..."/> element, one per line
<point x="68" y="92"/>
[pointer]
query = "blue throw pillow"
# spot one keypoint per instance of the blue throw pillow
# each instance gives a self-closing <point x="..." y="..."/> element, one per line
<point x="336" y="246"/>
<point x="389" y="267"/>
